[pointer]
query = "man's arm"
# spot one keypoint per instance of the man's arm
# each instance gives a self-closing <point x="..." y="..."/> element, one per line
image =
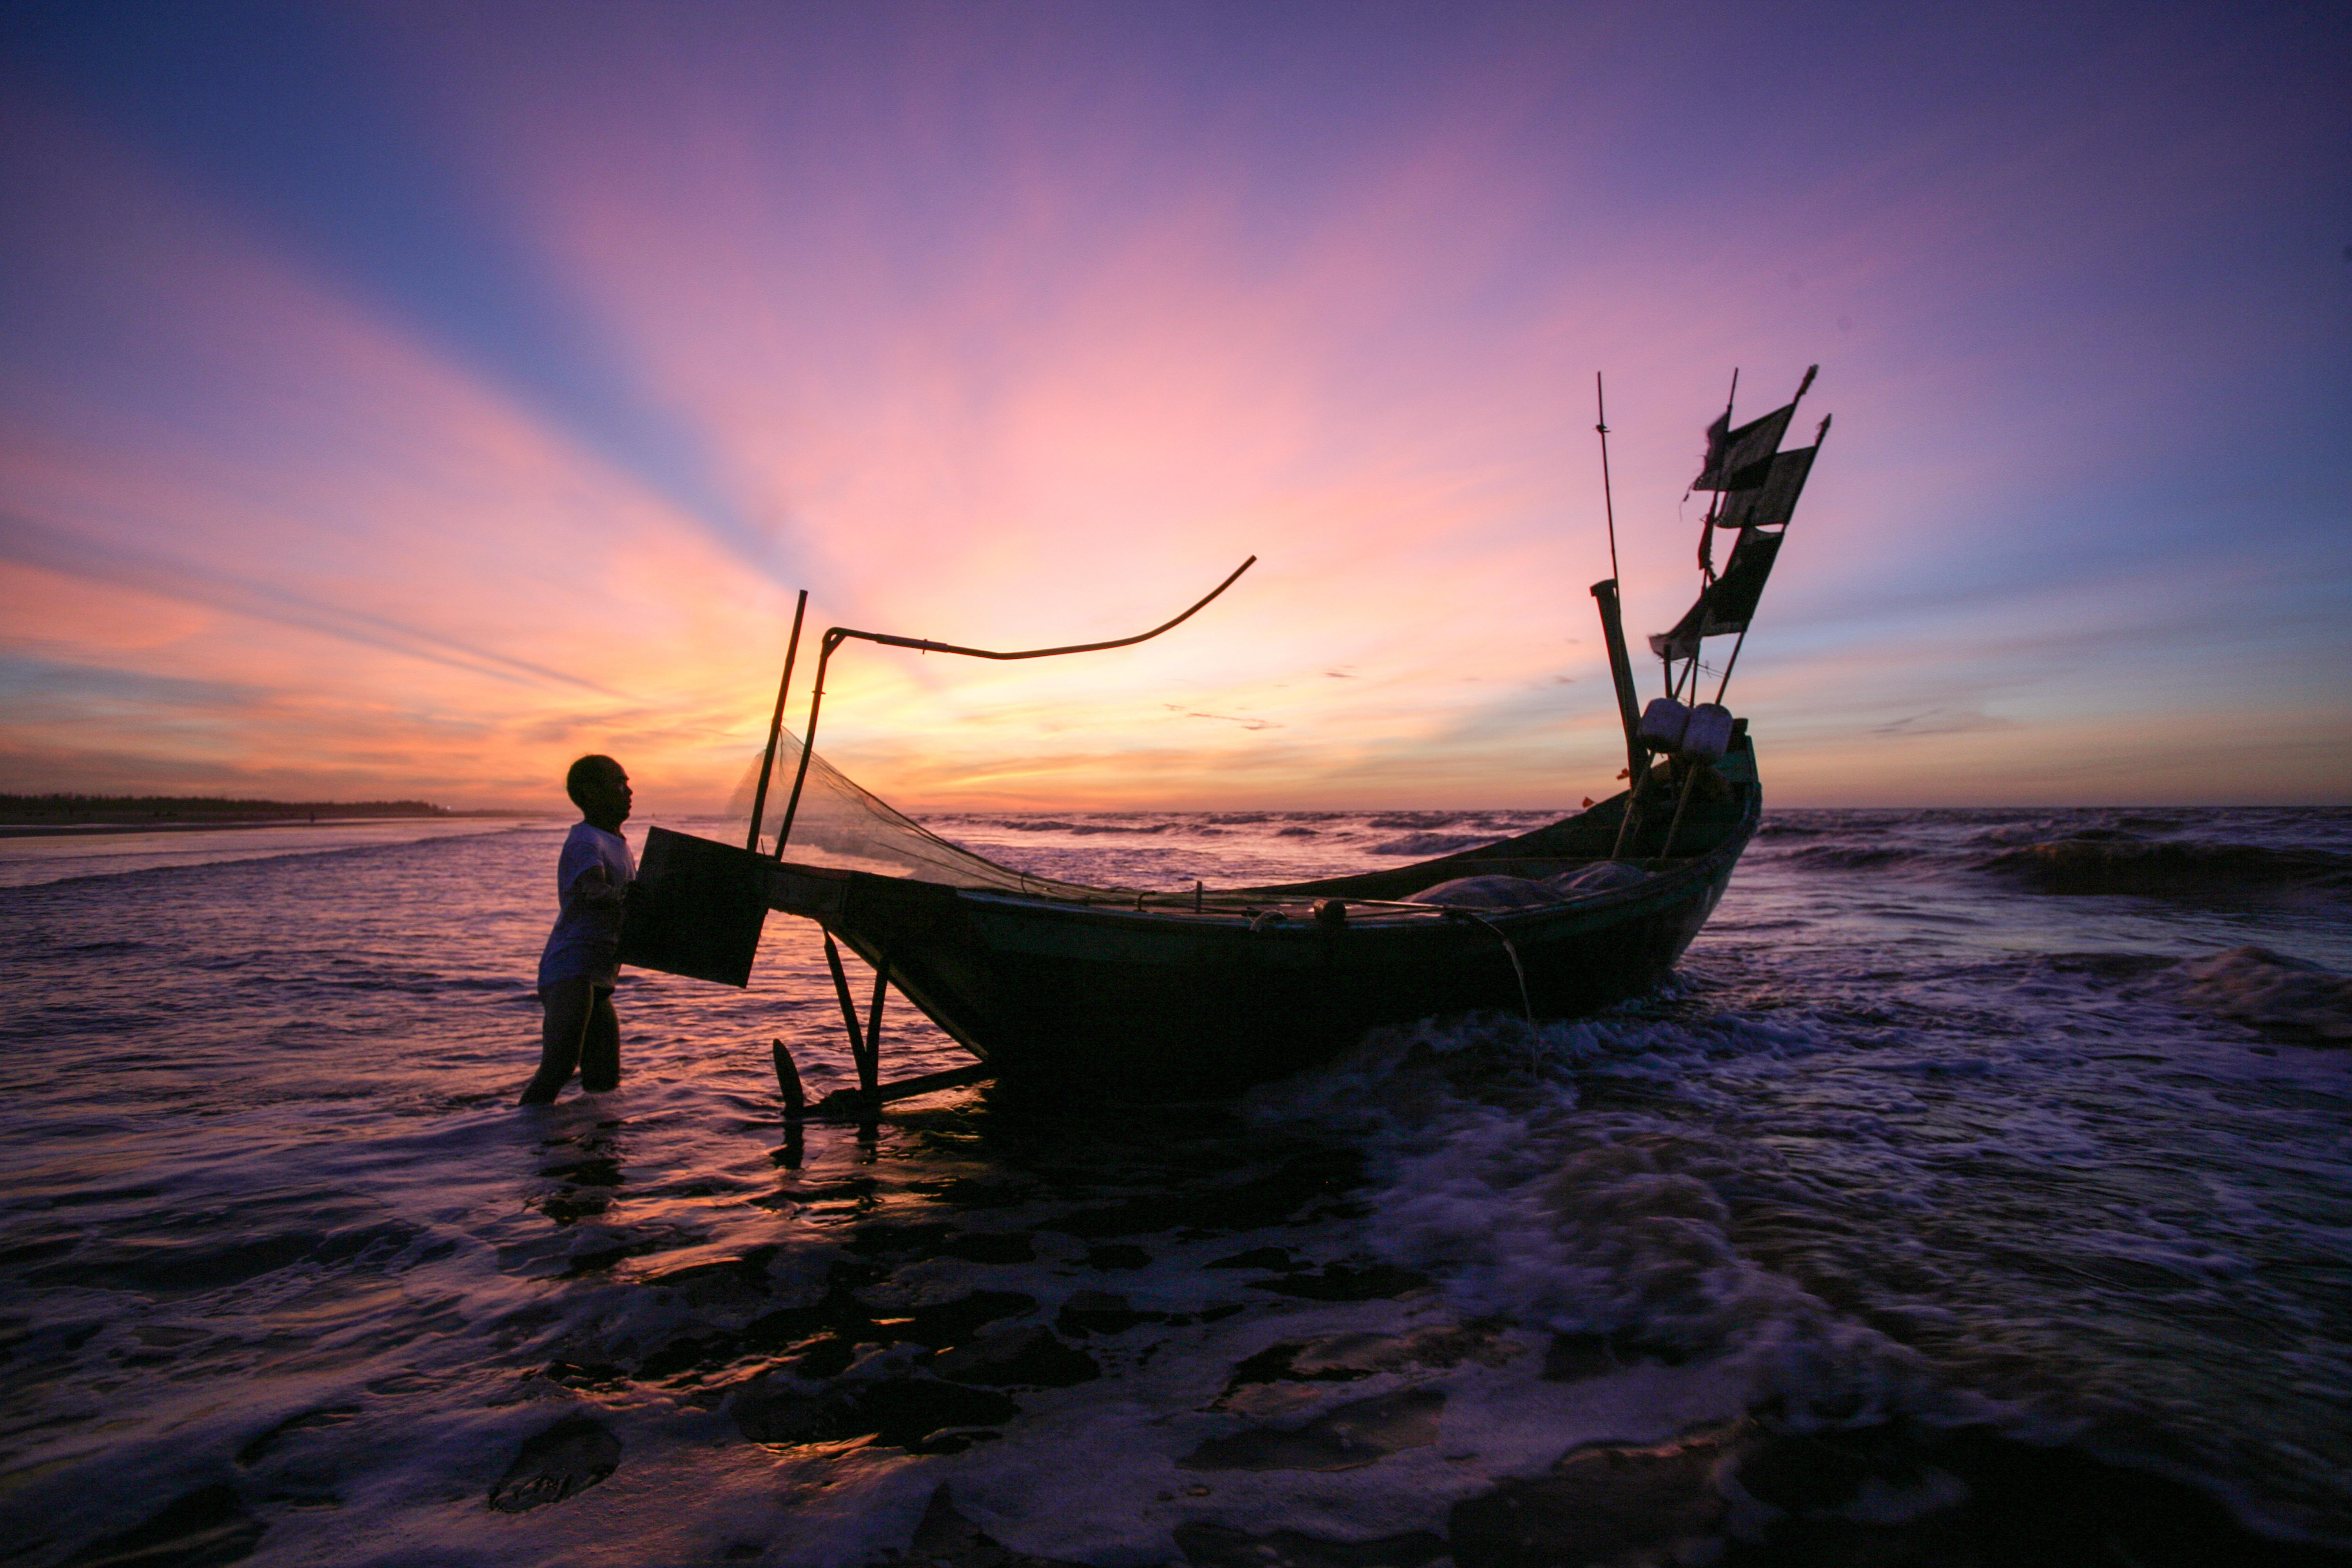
<point x="595" y="888"/>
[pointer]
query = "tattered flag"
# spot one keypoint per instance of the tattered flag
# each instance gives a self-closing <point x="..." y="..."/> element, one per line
<point x="1739" y="460"/>
<point x="1769" y="503"/>
<point x="1728" y="603"/>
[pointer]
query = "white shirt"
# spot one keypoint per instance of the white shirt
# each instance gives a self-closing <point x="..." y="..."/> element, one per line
<point x="587" y="934"/>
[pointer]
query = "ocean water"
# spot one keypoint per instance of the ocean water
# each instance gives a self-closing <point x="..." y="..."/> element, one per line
<point x="1978" y="1194"/>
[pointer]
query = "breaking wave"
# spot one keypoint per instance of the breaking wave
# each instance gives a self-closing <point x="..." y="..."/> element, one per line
<point x="1843" y="857"/>
<point x="1417" y="845"/>
<point x="2115" y="861"/>
<point x="2282" y="996"/>
<point x="1614" y="1231"/>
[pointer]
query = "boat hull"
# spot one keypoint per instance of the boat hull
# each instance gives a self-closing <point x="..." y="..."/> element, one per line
<point x="1166" y="1001"/>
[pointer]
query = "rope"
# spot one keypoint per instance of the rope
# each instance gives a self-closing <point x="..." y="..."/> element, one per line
<point x="1526" y="1006"/>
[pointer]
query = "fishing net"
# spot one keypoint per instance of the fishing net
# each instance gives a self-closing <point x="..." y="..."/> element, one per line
<point x="840" y="825"/>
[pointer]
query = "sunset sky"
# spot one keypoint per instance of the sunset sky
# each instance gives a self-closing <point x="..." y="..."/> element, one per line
<point x="400" y="400"/>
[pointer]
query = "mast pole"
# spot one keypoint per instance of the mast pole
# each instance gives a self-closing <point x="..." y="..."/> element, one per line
<point x="1737" y="643"/>
<point x="1608" y="501"/>
<point x="1714" y="504"/>
<point x="808" y="740"/>
<point x="1706" y="553"/>
<point x="775" y="726"/>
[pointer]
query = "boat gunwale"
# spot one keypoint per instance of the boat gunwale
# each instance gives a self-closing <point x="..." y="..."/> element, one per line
<point x="1392" y="916"/>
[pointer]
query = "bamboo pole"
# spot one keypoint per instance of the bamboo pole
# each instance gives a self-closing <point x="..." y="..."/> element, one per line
<point x="775" y="726"/>
<point x="1667" y="850"/>
<point x="835" y="636"/>
<point x="869" y="1061"/>
<point x="1608" y="500"/>
<point x="841" y="991"/>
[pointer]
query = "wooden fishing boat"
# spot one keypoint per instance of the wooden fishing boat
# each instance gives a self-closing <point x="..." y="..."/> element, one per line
<point x="1139" y="992"/>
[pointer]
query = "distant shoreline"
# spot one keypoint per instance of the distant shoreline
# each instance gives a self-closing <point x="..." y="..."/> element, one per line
<point x="99" y="829"/>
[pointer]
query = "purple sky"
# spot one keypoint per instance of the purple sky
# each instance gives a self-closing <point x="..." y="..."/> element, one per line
<point x="405" y="399"/>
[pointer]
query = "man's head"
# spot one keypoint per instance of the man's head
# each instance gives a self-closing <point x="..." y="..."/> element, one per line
<point x="599" y="786"/>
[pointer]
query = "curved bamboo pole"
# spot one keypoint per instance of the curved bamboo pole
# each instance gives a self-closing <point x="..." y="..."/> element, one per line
<point x="835" y="636"/>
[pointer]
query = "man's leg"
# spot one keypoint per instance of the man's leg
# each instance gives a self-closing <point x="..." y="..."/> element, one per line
<point x="570" y="1005"/>
<point x="600" y="1051"/>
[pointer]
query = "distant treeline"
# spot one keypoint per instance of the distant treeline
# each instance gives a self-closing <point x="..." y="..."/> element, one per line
<point x="121" y="807"/>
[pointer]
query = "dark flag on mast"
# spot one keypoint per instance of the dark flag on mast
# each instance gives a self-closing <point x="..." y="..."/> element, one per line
<point x="1761" y="511"/>
<point x="1736" y="459"/>
<point x="1729" y="601"/>
<point x="1773" y="498"/>
<point x="1740" y="460"/>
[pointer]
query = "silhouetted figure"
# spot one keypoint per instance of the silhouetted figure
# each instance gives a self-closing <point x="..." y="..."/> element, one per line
<point x="577" y="972"/>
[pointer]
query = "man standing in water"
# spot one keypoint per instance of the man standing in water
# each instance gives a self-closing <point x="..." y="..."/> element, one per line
<point x="577" y="972"/>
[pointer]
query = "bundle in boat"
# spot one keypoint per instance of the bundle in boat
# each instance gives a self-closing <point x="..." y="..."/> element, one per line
<point x="1532" y="892"/>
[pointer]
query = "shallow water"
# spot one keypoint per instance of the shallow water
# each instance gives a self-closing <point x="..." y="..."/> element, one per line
<point x="1962" y="1134"/>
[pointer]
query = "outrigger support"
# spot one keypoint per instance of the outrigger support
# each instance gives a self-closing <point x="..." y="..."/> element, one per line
<point x="864" y="1043"/>
<point x="871" y="1094"/>
<point x="848" y="1103"/>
